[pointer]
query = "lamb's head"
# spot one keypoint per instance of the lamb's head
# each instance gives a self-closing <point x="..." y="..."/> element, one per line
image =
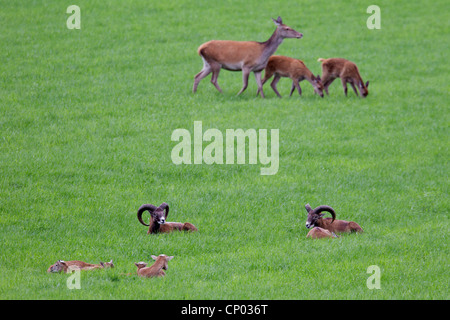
<point x="107" y="264"/>
<point x="158" y="214"/>
<point x="59" y="266"/>
<point x="140" y="265"/>
<point x="314" y="215"/>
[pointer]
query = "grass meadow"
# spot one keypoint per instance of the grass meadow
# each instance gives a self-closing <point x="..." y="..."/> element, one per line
<point x="86" y="118"/>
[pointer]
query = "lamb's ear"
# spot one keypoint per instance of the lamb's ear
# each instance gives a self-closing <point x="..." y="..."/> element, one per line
<point x="62" y="262"/>
<point x="154" y="257"/>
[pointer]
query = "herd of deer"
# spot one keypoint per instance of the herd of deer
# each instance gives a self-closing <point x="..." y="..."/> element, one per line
<point x="249" y="56"/>
<point x="252" y="56"/>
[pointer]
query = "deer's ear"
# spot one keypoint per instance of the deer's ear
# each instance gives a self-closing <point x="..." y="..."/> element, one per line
<point x="367" y="84"/>
<point x="278" y="21"/>
<point x="170" y="258"/>
<point x="318" y="78"/>
<point x="154" y="257"/>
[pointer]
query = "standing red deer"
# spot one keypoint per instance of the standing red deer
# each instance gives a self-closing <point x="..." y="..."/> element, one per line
<point x="247" y="56"/>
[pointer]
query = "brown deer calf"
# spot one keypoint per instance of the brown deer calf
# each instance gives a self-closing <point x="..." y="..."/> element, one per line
<point x="346" y="70"/>
<point x="315" y="220"/>
<point x="156" y="270"/>
<point x="317" y="232"/>
<point x="68" y="266"/>
<point x="295" y="69"/>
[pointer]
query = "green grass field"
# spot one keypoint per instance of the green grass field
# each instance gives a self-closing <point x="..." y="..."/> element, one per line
<point x="86" y="118"/>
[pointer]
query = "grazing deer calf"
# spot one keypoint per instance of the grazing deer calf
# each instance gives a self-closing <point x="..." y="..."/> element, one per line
<point x="156" y="270"/>
<point x="248" y="56"/>
<point x="295" y="69"/>
<point x="317" y="232"/>
<point x="315" y="220"/>
<point x="158" y="216"/>
<point x="346" y="70"/>
<point x="68" y="266"/>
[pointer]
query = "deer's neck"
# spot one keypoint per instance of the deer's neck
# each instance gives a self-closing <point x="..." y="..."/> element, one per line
<point x="271" y="45"/>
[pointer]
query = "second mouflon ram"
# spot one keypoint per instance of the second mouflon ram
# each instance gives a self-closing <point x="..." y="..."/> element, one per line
<point x="315" y="219"/>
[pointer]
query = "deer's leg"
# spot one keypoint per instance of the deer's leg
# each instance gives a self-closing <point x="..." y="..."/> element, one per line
<point x="267" y="75"/>
<point x="297" y="85"/>
<point x="274" y="84"/>
<point x="326" y="83"/>
<point x="344" y="84"/>
<point x="245" y="74"/>
<point x="215" y="70"/>
<point x="354" y="89"/>
<point x="259" y="83"/>
<point x="202" y="74"/>
<point x="292" y="89"/>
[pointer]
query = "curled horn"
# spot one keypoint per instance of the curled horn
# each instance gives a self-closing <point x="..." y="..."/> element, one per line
<point x="164" y="206"/>
<point x="308" y="208"/>
<point x="145" y="207"/>
<point x="329" y="209"/>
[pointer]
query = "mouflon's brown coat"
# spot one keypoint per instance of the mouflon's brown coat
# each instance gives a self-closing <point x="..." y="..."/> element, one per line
<point x="315" y="219"/>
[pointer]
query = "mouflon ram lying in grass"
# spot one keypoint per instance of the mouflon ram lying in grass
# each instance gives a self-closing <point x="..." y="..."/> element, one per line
<point x="158" y="223"/>
<point x="315" y="219"/>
